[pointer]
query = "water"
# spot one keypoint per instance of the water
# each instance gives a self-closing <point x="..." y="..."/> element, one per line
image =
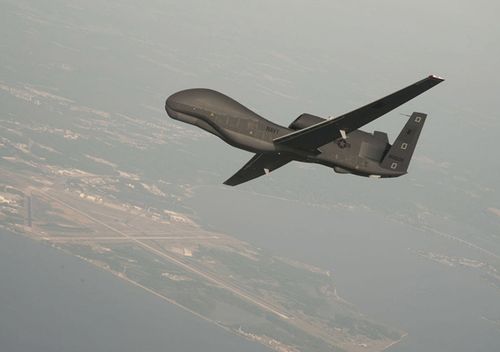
<point x="51" y="301"/>
<point x="442" y="308"/>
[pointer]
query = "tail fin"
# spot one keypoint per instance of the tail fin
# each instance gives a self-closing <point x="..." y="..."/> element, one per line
<point x="399" y="156"/>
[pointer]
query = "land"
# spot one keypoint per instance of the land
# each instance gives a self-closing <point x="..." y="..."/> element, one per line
<point x="61" y="185"/>
<point x="90" y="164"/>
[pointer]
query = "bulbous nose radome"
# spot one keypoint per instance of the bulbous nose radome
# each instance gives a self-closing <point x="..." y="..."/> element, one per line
<point x="173" y="104"/>
<point x="183" y="101"/>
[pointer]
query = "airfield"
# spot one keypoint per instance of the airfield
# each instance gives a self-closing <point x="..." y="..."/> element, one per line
<point x="90" y="164"/>
<point x="72" y="187"/>
<point x="278" y="302"/>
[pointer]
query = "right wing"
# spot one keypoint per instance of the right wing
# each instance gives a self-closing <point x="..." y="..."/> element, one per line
<point x="259" y="165"/>
<point x="327" y="131"/>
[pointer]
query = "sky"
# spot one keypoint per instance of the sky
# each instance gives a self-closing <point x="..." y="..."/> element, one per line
<point x="281" y="59"/>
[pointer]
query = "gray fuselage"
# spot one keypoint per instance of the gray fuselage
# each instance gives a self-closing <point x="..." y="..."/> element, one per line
<point x="360" y="153"/>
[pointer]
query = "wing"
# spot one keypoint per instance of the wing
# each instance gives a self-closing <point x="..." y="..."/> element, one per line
<point x="324" y="132"/>
<point x="259" y="165"/>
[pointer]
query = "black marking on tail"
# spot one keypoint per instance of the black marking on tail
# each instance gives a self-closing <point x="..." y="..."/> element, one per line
<point x="399" y="156"/>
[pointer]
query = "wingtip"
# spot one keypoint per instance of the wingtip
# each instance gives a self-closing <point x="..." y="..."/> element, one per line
<point x="437" y="78"/>
<point x="229" y="183"/>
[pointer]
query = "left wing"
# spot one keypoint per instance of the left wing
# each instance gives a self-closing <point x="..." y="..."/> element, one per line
<point x="259" y="165"/>
<point x="327" y="131"/>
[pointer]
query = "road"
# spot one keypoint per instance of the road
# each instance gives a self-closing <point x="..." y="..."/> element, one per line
<point x="238" y="292"/>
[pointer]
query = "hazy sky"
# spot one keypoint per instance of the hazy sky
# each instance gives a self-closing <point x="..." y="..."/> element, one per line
<point x="283" y="58"/>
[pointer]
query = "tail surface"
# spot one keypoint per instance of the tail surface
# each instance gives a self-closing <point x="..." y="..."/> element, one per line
<point x="399" y="156"/>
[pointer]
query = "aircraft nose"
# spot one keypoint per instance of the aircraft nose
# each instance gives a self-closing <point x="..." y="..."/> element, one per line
<point x="176" y="103"/>
<point x="181" y="101"/>
<point x="174" y="100"/>
<point x="186" y="101"/>
<point x="168" y="107"/>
